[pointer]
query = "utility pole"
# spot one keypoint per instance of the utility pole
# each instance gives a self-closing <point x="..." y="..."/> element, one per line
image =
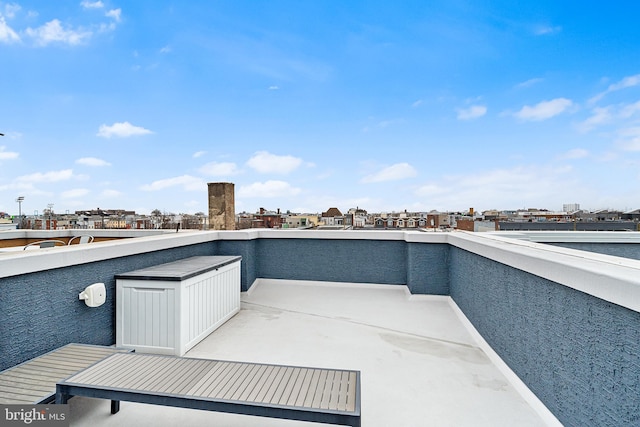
<point x="20" y="199"/>
<point x="50" y="207"/>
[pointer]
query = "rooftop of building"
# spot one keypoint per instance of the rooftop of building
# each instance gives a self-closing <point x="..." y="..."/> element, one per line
<point x="420" y="362"/>
<point x="556" y="318"/>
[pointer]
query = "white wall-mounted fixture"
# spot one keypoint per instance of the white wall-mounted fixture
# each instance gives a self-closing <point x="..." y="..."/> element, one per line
<point x="94" y="295"/>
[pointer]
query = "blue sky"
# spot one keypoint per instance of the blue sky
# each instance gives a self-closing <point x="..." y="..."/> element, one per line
<point x="305" y="105"/>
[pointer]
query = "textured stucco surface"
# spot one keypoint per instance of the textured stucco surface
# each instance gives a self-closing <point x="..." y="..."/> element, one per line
<point x="41" y="311"/>
<point x="247" y="250"/>
<point x="428" y="268"/>
<point x="422" y="267"/>
<point x="360" y="261"/>
<point x="579" y="354"/>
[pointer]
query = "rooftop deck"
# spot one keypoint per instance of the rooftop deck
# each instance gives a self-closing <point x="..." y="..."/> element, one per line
<point x="563" y="316"/>
<point x="420" y="365"/>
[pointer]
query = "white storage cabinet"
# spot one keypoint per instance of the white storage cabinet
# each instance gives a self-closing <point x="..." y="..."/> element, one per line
<point x="169" y="308"/>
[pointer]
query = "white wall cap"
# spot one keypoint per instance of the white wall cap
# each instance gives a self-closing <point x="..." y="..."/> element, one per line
<point x="610" y="278"/>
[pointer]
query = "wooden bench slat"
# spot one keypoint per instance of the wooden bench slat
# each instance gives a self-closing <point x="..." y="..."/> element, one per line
<point x="189" y="377"/>
<point x="198" y="388"/>
<point x="304" y="388"/>
<point x="226" y="374"/>
<point x="159" y="365"/>
<point x="35" y="380"/>
<point x="327" y="390"/>
<point x="203" y="368"/>
<point x="124" y="373"/>
<point x="11" y="399"/>
<point x="91" y="376"/>
<point x="295" y="388"/>
<point x="318" y="389"/>
<point x="261" y="384"/>
<point x="282" y="385"/>
<point x="28" y="384"/>
<point x="351" y="396"/>
<point x="230" y="384"/>
<point x="271" y="384"/>
<point x="21" y="391"/>
<point x="170" y="370"/>
<point x="247" y="379"/>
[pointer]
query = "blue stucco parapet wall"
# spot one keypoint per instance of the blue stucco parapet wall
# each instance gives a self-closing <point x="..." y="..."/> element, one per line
<point x="579" y="354"/>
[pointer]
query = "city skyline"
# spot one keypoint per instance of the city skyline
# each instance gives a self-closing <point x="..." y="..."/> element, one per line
<point x="305" y="106"/>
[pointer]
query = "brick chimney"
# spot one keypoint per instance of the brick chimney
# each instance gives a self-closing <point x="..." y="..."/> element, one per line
<point x="222" y="214"/>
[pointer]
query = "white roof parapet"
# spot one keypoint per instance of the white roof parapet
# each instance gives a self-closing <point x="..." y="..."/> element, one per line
<point x="610" y="278"/>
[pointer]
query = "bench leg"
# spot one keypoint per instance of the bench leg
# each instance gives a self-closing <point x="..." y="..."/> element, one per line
<point x="115" y="406"/>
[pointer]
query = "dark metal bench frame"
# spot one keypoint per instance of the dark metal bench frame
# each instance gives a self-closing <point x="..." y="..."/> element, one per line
<point x="67" y="389"/>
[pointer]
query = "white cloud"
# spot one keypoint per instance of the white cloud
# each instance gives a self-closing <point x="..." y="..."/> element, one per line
<point x="53" y="32"/>
<point x="86" y="4"/>
<point x="429" y="190"/>
<point x="7" y="155"/>
<point x="265" y="162"/>
<point x="630" y="110"/>
<point x="219" y="169"/>
<point x="7" y="35"/>
<point x="92" y="161"/>
<point x="417" y="103"/>
<point x="198" y="154"/>
<point x="473" y="112"/>
<point x="10" y="10"/>
<point x="576" y="153"/>
<point x="268" y="189"/>
<point x="391" y="173"/>
<point x="53" y="176"/>
<point x="546" y="29"/>
<point x="273" y="88"/>
<point x="189" y="183"/>
<point x="386" y="123"/>
<point x="490" y="188"/>
<point x="529" y="83"/>
<point x="599" y="117"/>
<point x="626" y="82"/>
<point x="110" y="193"/>
<point x="121" y="130"/>
<point x="629" y="81"/>
<point x="617" y="115"/>
<point x="165" y="49"/>
<point x="75" y="193"/>
<point x="629" y="139"/>
<point x="115" y="14"/>
<point x="544" y="110"/>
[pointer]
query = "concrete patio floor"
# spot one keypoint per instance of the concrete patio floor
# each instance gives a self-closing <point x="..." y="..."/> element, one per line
<point x="420" y="365"/>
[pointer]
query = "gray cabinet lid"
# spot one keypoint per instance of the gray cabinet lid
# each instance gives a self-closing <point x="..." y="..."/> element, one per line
<point x="182" y="269"/>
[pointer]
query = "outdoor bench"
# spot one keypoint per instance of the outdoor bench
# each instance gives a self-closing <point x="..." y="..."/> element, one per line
<point x="277" y="391"/>
<point x="34" y="381"/>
